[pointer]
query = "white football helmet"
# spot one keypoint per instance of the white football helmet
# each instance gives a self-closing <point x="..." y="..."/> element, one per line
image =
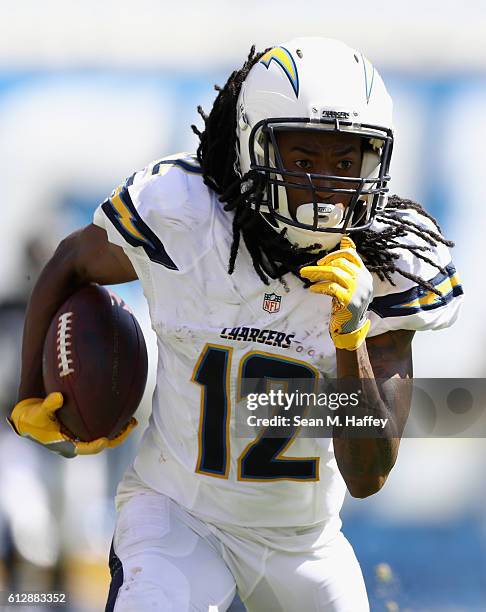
<point x="315" y="84"/>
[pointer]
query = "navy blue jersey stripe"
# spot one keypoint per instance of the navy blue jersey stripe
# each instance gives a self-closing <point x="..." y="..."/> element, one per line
<point x="181" y="163"/>
<point x="135" y="231"/>
<point x="417" y="299"/>
<point x="130" y="179"/>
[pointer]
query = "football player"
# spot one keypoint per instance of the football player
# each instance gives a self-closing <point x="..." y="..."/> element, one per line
<point x="273" y="253"/>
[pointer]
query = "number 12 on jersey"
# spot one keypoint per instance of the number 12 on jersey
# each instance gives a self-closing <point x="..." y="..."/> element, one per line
<point x="262" y="459"/>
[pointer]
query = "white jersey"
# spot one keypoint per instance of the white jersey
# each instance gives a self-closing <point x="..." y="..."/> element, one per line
<point x="214" y="329"/>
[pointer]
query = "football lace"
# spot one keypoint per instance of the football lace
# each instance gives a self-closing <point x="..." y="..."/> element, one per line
<point x="64" y="359"/>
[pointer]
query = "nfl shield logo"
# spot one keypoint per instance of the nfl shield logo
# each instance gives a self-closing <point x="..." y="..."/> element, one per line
<point x="271" y="302"/>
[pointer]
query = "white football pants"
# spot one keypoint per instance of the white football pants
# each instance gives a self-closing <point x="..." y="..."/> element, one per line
<point x="165" y="559"/>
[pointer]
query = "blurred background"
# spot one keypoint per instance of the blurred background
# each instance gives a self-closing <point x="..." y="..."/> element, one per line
<point x="91" y="91"/>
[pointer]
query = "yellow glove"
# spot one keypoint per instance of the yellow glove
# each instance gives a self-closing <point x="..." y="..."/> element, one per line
<point x="344" y="277"/>
<point x="35" y="418"/>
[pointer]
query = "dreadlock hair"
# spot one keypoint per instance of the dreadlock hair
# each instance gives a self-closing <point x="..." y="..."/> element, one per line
<point x="271" y="253"/>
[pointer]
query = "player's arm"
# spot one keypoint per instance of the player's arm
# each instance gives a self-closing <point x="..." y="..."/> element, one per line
<point x="84" y="257"/>
<point x="383" y="364"/>
<point x="364" y="456"/>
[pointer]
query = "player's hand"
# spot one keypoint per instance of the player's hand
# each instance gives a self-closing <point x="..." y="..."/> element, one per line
<point x="343" y="276"/>
<point x="35" y="418"/>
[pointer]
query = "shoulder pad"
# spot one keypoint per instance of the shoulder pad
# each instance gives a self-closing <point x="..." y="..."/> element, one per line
<point x="403" y="303"/>
<point x="150" y="210"/>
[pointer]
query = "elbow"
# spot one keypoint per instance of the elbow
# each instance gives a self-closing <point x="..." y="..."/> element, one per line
<point x="360" y="489"/>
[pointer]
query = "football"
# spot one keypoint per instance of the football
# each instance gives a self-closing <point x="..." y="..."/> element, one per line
<point x="95" y="355"/>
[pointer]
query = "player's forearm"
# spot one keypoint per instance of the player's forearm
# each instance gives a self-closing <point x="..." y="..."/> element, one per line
<point x="364" y="462"/>
<point x="86" y="256"/>
<point x="57" y="281"/>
